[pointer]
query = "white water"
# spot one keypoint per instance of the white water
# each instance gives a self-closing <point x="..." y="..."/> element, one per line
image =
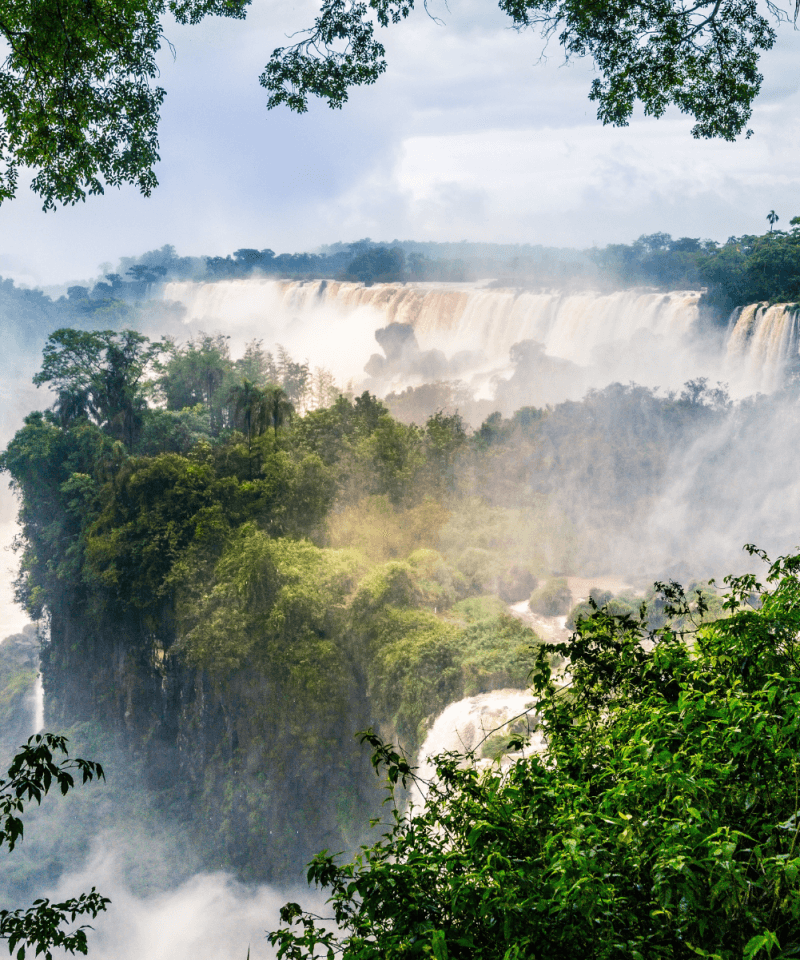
<point x="641" y="335"/>
<point x="762" y="341"/>
<point x="464" y="725"/>
<point x="38" y="706"/>
<point x="301" y="316"/>
<point x="207" y="917"/>
<point x="467" y="316"/>
<point x="333" y="323"/>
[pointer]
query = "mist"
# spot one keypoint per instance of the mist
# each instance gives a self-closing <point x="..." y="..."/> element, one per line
<point x="722" y="481"/>
<point x="621" y="470"/>
<point x="209" y="916"/>
<point x="476" y="348"/>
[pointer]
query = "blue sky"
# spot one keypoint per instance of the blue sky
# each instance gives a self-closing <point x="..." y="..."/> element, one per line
<point x="467" y="136"/>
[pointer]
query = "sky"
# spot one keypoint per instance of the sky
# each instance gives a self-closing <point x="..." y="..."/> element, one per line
<point x="470" y="135"/>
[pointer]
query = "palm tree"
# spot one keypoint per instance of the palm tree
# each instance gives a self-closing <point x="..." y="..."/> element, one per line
<point x="250" y="413"/>
<point x="280" y="410"/>
<point x="73" y="404"/>
<point x="773" y="219"/>
<point x="250" y="409"/>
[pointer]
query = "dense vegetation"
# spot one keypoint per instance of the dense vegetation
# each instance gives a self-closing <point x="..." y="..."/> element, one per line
<point x="239" y="588"/>
<point x="658" y="819"/>
<point x="235" y="583"/>
<point x="743" y="270"/>
<point x="750" y="269"/>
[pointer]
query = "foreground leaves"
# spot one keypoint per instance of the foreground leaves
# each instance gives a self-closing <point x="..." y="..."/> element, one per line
<point x="78" y="100"/>
<point x="660" y="821"/>
<point x="701" y="57"/>
<point x="34" y="771"/>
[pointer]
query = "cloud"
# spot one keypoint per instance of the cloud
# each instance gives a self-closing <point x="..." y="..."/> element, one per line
<point x="468" y="135"/>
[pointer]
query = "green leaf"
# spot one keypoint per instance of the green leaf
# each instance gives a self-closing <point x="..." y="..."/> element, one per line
<point x="439" y="944"/>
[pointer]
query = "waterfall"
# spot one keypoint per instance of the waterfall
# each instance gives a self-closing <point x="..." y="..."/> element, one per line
<point x="761" y="343"/>
<point x="463" y="725"/>
<point x="332" y="323"/>
<point x="639" y="335"/>
<point x="461" y="316"/>
<point x="38" y="705"/>
<point x="570" y="326"/>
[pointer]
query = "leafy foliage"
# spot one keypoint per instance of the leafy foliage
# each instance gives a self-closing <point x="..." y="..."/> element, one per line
<point x="378" y="265"/>
<point x="80" y="101"/>
<point x="416" y="660"/>
<point x="256" y="594"/>
<point x="99" y="376"/>
<point x="750" y="269"/>
<point x="33" y="772"/>
<point x="552" y="599"/>
<point x="77" y="94"/>
<point x="274" y="603"/>
<point x="661" y="818"/>
<point x="702" y="57"/>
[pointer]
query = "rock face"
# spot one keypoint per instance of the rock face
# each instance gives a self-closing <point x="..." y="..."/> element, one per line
<point x="19" y="666"/>
<point x="263" y="781"/>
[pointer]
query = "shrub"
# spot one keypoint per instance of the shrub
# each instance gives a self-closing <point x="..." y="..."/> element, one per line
<point x="553" y="599"/>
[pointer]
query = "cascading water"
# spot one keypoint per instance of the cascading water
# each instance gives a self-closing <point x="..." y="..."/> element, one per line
<point x="570" y="326"/>
<point x="631" y="335"/>
<point x="463" y="725"/>
<point x="470" y="316"/>
<point x="38" y="705"/>
<point x="333" y="323"/>
<point x="763" y="340"/>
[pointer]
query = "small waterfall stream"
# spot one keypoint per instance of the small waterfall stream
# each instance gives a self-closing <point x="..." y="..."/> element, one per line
<point x="463" y="725"/>
<point x="762" y="341"/>
<point x="38" y="705"/>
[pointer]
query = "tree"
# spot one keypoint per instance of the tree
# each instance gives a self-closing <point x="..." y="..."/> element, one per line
<point x="252" y="409"/>
<point x="77" y="95"/>
<point x="294" y="378"/>
<point x="378" y="265"/>
<point x="660" y="819"/>
<point x="257" y="365"/>
<point x="33" y="771"/>
<point x="99" y="377"/>
<point x="773" y="219"/>
<point x="750" y="269"/>
<point x="279" y="409"/>
<point x="195" y="374"/>
<point x="80" y="103"/>
<point x="702" y="57"/>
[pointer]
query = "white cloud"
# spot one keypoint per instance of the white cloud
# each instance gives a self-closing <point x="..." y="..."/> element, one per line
<point x="466" y="136"/>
